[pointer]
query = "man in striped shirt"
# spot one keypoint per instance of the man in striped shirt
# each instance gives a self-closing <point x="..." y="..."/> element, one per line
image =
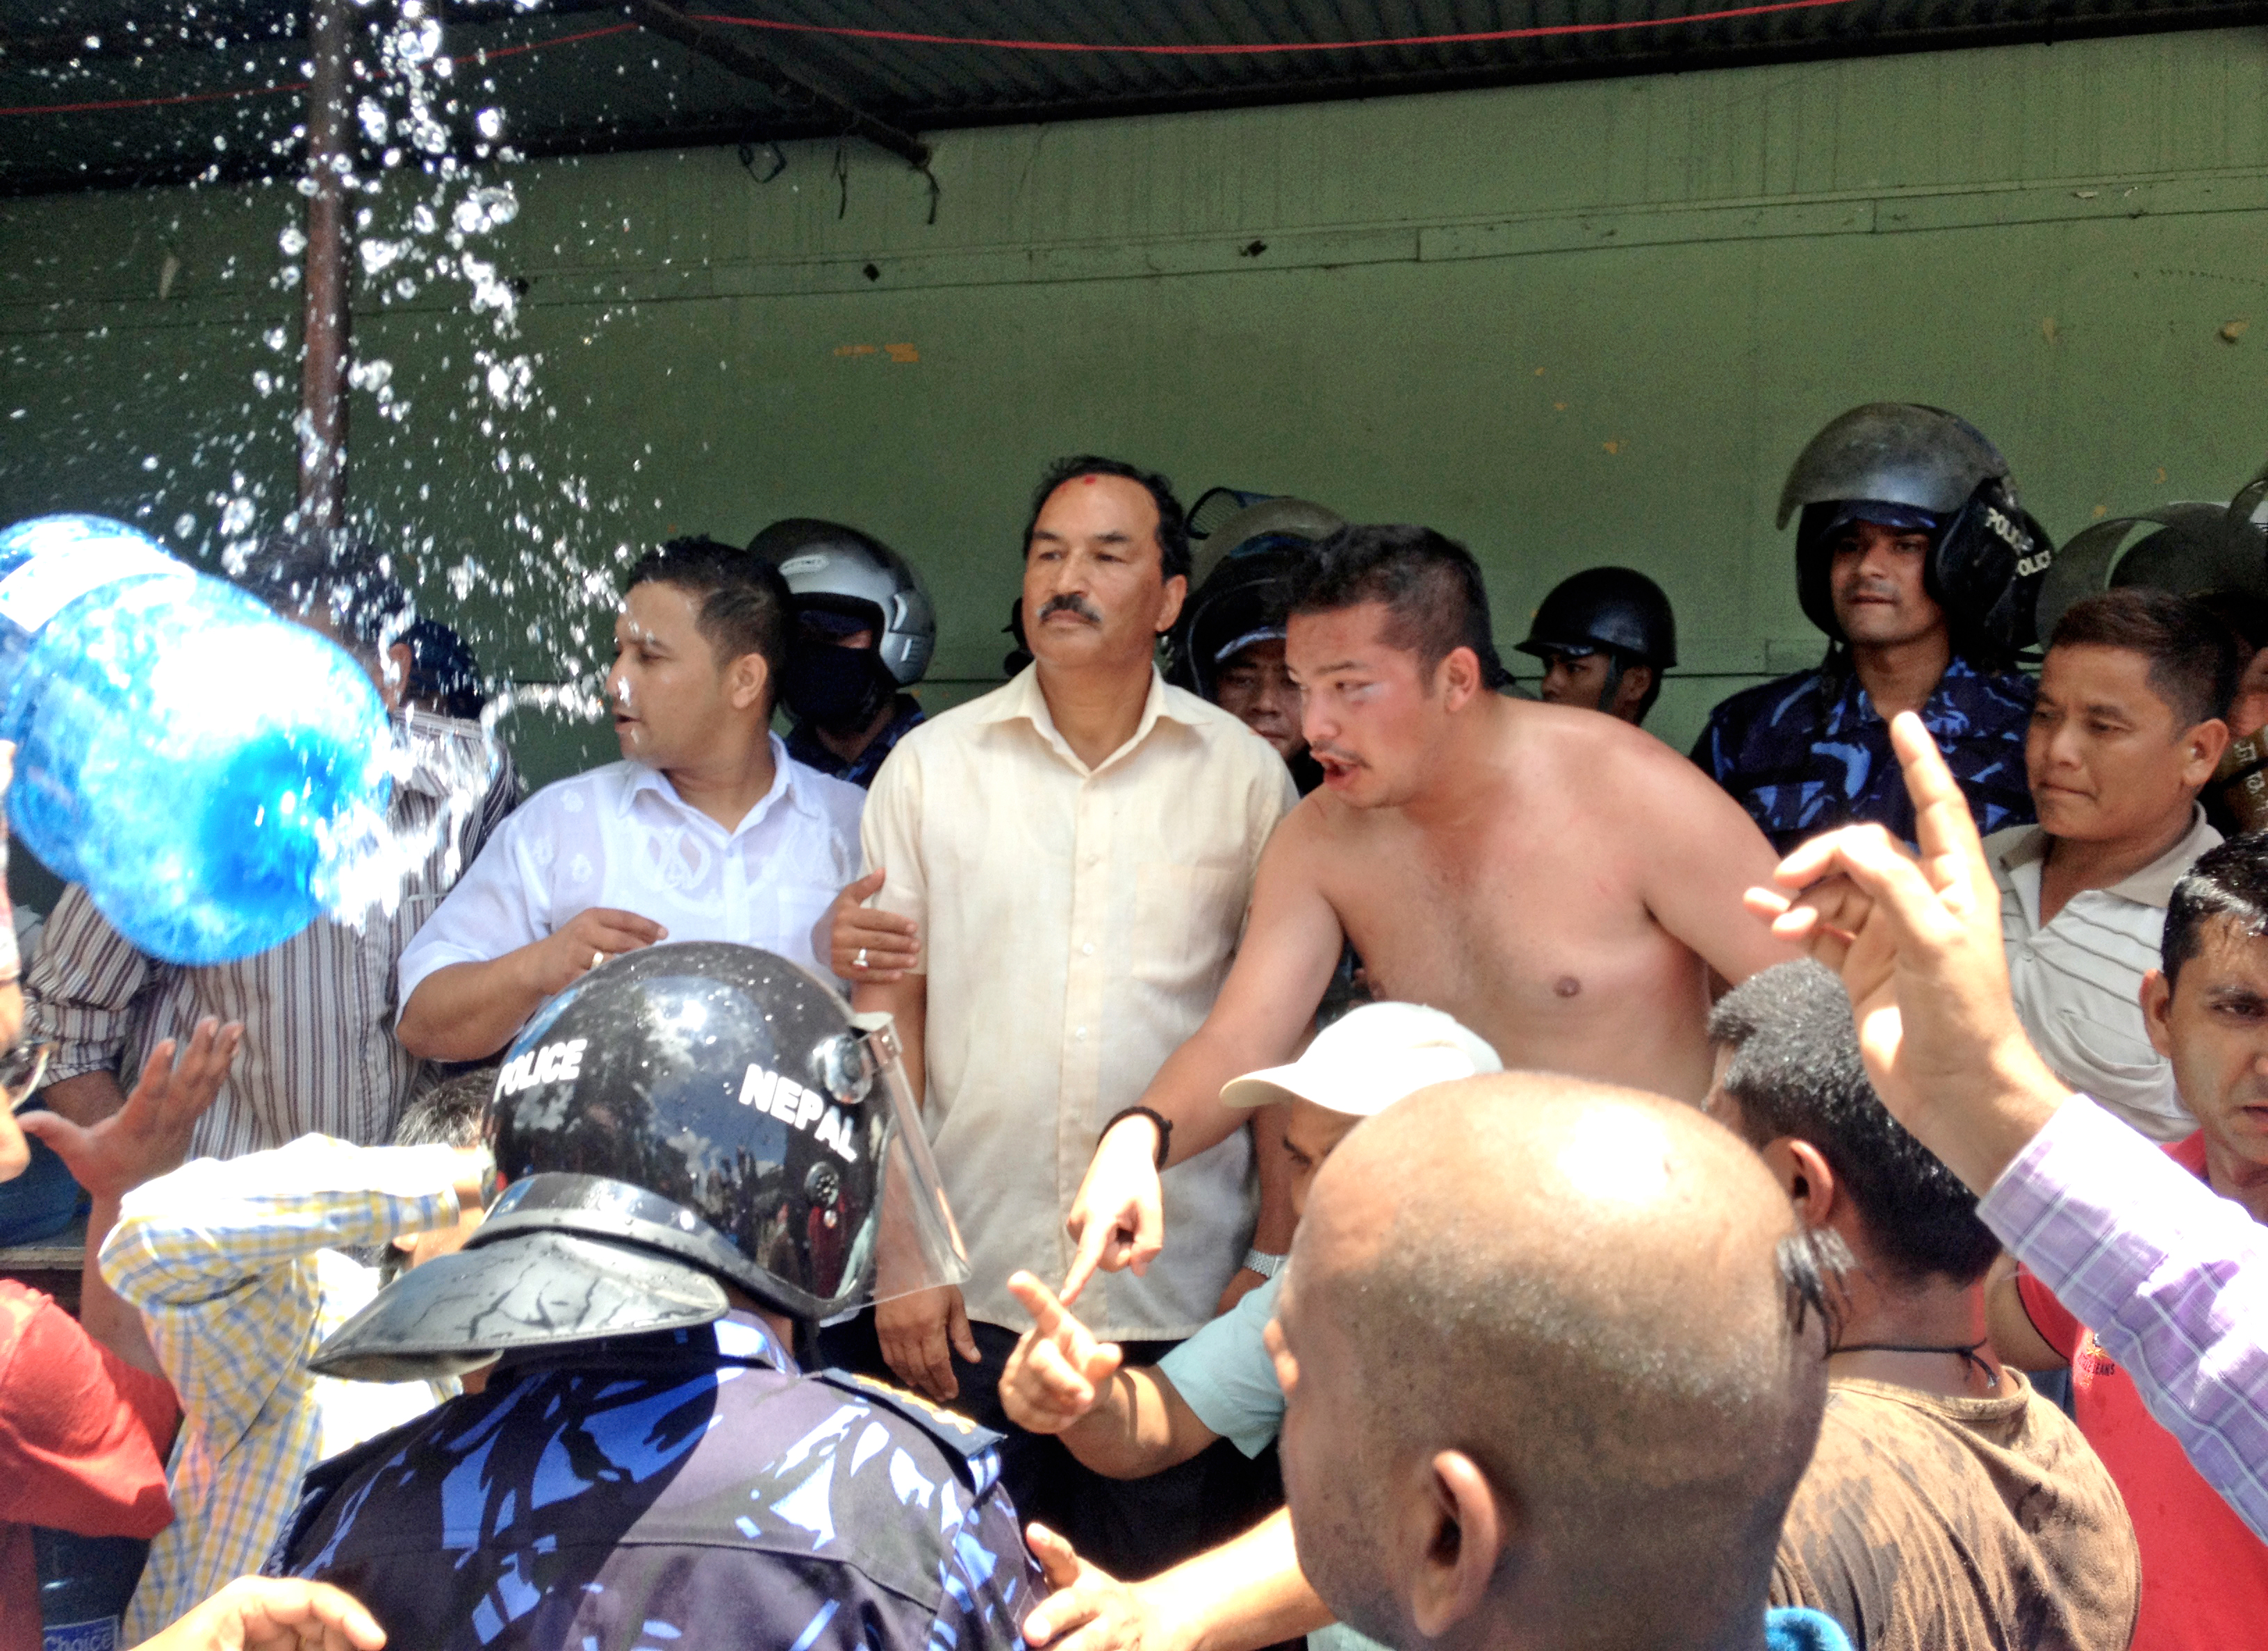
<point x="318" y="1011"/>
<point x="2130" y="722"/>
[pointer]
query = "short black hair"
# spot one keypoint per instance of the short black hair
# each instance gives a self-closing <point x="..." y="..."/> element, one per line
<point x="1430" y="584"/>
<point x="2229" y="879"/>
<point x="1173" y="521"/>
<point x="744" y="598"/>
<point x="1796" y="1071"/>
<point x="2196" y="660"/>
<point x="451" y="1113"/>
<point x="340" y="574"/>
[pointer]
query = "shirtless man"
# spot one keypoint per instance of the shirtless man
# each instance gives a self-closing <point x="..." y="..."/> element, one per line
<point x="1560" y="882"/>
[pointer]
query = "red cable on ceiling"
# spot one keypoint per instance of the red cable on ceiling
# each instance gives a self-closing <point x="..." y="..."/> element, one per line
<point x="907" y="37"/>
<point x="1467" y="37"/>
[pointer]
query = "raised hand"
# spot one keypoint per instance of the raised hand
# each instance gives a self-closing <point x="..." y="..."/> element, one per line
<point x="1917" y="944"/>
<point x="150" y="1134"/>
<point x="1059" y="1369"/>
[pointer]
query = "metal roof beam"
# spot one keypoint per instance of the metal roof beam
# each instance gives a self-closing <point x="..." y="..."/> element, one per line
<point x="722" y="46"/>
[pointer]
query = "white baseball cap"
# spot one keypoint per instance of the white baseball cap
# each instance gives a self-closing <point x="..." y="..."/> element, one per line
<point x="1370" y="1058"/>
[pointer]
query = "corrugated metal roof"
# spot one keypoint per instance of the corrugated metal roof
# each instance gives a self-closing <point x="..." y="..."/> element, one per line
<point x="94" y="93"/>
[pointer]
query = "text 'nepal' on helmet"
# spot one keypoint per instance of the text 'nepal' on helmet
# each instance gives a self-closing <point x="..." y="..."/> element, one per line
<point x="1606" y="607"/>
<point x="1926" y="469"/>
<point x="682" y="1117"/>
<point x="2189" y="549"/>
<point x="832" y="569"/>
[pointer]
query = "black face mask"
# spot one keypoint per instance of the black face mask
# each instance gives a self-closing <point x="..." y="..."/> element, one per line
<point x="840" y="690"/>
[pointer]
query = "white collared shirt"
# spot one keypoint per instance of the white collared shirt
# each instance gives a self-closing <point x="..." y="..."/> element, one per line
<point x="2078" y="982"/>
<point x="621" y="836"/>
<point x="1077" y="924"/>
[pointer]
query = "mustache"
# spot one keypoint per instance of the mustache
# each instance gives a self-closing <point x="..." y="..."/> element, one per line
<point x="1072" y="603"/>
<point x="1327" y="750"/>
<point x="1869" y="590"/>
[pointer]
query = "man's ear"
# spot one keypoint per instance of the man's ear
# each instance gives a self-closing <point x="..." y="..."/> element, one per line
<point x="1803" y="1175"/>
<point x="2158" y="1011"/>
<point x="2202" y="746"/>
<point x="1169" y="605"/>
<point x="746" y="681"/>
<point x="1456" y="1529"/>
<point x="1636" y="683"/>
<point x="1459" y="677"/>
<point x="394" y="675"/>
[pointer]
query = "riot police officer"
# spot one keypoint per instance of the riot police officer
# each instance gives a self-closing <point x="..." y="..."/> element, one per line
<point x="1228" y="645"/>
<point x="865" y="630"/>
<point x="1605" y="636"/>
<point x="703" y="1152"/>
<point x="1915" y="558"/>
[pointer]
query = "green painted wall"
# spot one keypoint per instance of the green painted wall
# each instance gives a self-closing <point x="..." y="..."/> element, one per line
<point x="1566" y="324"/>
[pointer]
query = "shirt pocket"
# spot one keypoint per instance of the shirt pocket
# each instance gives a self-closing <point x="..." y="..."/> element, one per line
<point x="1186" y="920"/>
<point x="2111" y="1053"/>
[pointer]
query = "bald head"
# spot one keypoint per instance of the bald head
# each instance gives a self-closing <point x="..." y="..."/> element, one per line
<point x="1552" y="1371"/>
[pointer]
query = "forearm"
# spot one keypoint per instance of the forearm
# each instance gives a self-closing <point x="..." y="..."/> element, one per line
<point x="1186" y="1091"/>
<point x="2173" y="1279"/>
<point x="106" y="1316"/>
<point x="469" y="1011"/>
<point x="201" y="1232"/>
<point x="1272" y="1235"/>
<point x="1245" y="1594"/>
<point x="907" y="1004"/>
<point x="1139" y="1425"/>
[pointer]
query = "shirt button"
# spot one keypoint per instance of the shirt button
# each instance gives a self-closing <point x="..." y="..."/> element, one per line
<point x="1087" y="949"/>
<point x="1081" y="1035"/>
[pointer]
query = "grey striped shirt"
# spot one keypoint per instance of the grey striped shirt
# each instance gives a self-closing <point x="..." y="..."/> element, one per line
<point x="2078" y="981"/>
<point x="318" y="1051"/>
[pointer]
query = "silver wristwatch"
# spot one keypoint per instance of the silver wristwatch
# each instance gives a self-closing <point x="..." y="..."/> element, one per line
<point x="1261" y="1262"/>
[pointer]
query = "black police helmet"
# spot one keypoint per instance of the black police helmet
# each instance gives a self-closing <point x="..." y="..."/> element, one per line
<point x="1241" y="602"/>
<point x="1606" y="607"/>
<point x="1933" y="470"/>
<point x="683" y="1117"/>
<point x="2186" y="549"/>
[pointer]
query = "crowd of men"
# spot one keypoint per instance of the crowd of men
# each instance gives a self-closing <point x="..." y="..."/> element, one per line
<point x="1254" y="1127"/>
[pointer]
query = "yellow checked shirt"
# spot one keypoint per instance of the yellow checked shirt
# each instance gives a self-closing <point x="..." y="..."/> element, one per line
<point x="1077" y="924"/>
<point x="234" y="1267"/>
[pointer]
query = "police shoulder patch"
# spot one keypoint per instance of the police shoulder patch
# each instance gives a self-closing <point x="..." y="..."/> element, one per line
<point x="962" y="1438"/>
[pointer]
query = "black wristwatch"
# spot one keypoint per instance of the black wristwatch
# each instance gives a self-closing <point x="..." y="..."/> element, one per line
<point x="1165" y="1127"/>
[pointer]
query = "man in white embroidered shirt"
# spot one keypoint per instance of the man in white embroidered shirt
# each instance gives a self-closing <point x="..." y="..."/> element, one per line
<point x="2128" y="726"/>
<point x="706" y="830"/>
<point x="1077" y="849"/>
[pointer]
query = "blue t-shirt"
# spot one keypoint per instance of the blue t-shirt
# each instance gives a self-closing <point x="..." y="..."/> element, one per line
<point x="1224" y="1375"/>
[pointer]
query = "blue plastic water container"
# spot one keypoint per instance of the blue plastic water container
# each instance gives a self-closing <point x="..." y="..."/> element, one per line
<point x="197" y="763"/>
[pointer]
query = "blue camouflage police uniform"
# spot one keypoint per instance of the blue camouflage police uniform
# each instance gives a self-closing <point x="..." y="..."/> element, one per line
<point x="1809" y="752"/>
<point x="807" y="748"/>
<point x="674" y="1490"/>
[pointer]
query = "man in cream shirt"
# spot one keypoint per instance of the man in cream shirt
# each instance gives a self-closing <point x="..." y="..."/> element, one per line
<point x="2127" y="728"/>
<point x="1075" y="852"/>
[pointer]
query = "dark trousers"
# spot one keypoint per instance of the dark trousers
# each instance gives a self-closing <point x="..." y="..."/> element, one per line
<point x="1131" y="1528"/>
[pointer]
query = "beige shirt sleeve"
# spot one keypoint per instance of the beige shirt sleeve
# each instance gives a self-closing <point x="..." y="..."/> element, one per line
<point x="889" y="837"/>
